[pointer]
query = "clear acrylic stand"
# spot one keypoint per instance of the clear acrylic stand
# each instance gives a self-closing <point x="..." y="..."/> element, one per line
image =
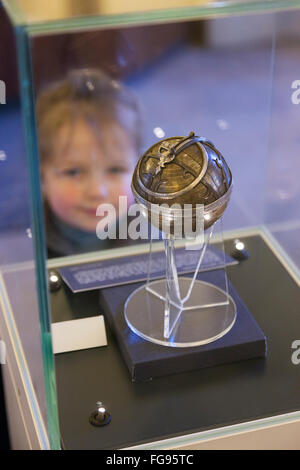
<point x="182" y="311"/>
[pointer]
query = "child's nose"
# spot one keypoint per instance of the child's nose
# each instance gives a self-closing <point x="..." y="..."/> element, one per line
<point x="97" y="187"/>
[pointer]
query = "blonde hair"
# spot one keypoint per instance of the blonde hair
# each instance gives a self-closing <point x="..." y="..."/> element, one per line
<point x="87" y="94"/>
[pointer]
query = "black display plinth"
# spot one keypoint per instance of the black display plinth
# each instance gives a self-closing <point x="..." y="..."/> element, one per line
<point x="146" y="360"/>
<point x="183" y="405"/>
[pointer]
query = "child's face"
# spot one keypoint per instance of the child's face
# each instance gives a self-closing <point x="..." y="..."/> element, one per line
<point x="86" y="171"/>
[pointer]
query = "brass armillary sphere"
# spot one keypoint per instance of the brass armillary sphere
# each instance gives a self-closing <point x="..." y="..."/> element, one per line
<point x="184" y="170"/>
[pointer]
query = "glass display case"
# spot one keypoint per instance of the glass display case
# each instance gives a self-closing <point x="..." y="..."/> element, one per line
<point x="227" y="70"/>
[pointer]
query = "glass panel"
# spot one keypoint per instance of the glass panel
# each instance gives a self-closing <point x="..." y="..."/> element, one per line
<point x="203" y="76"/>
<point x="174" y="78"/>
<point x="283" y="190"/>
<point x="211" y="76"/>
<point x="22" y="271"/>
<point x="31" y="12"/>
<point x="199" y="76"/>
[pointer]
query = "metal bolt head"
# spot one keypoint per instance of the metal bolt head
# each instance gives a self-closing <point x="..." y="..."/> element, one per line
<point x="239" y="251"/>
<point x="101" y="416"/>
<point x="55" y="281"/>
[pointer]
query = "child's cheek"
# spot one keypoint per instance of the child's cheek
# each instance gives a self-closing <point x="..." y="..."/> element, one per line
<point x="126" y="189"/>
<point x="125" y="186"/>
<point x="65" y="198"/>
<point x="120" y="188"/>
<point x="123" y="189"/>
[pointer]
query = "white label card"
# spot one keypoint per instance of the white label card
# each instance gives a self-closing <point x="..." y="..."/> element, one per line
<point x="74" y="335"/>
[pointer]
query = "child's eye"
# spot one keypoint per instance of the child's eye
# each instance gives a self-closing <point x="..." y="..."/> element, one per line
<point x="114" y="170"/>
<point x="72" y="172"/>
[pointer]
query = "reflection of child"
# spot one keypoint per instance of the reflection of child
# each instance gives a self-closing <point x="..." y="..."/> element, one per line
<point x="89" y="135"/>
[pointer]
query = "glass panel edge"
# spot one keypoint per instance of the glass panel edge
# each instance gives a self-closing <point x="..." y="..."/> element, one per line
<point x="25" y="81"/>
<point x="227" y="431"/>
<point x="211" y="10"/>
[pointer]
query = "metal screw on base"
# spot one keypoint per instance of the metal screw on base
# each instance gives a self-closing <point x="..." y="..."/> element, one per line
<point x="55" y="281"/>
<point x="100" y="416"/>
<point x="239" y="251"/>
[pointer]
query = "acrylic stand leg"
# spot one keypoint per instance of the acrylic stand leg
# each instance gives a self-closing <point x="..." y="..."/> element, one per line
<point x="172" y="289"/>
<point x="182" y="311"/>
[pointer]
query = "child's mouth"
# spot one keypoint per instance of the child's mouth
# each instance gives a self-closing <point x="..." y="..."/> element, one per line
<point x="89" y="211"/>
